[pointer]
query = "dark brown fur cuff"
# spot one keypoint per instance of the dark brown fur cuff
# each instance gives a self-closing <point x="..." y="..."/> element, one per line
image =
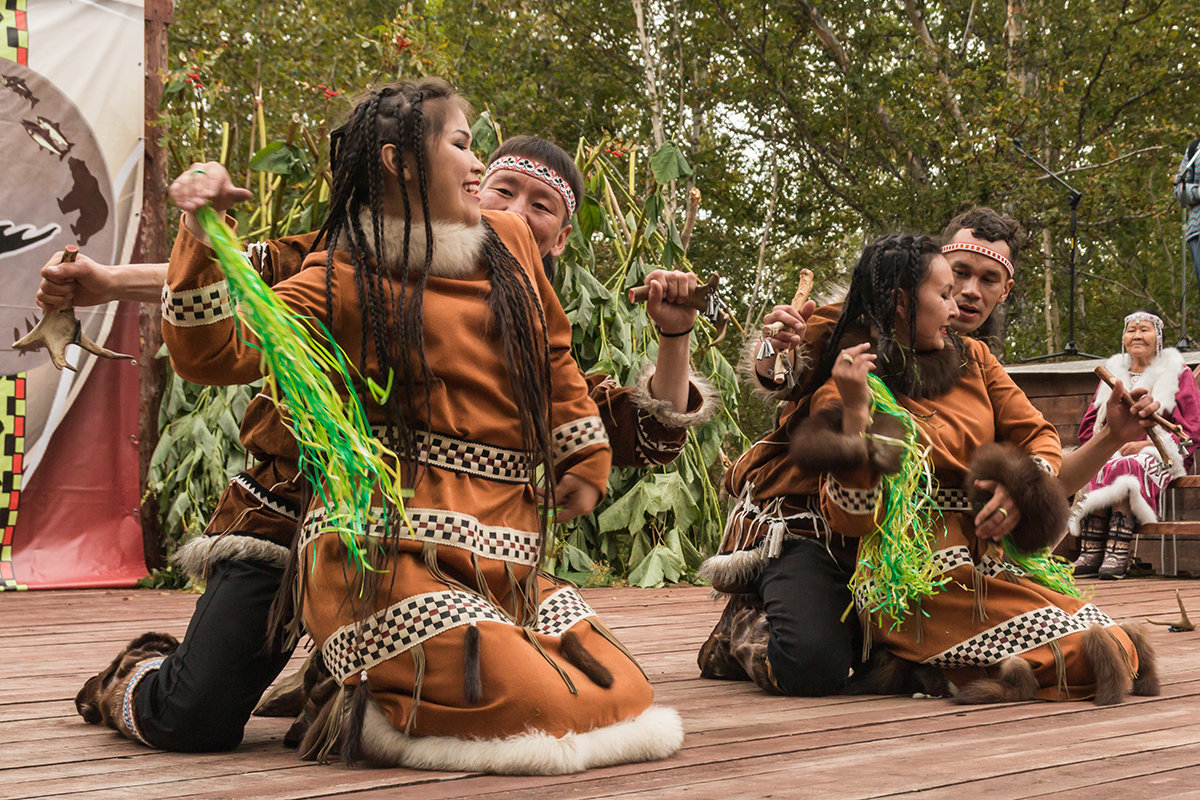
<point x="1037" y="493"/>
<point x="818" y="444"/>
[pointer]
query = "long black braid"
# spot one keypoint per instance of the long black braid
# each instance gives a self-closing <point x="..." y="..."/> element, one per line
<point x="887" y="266"/>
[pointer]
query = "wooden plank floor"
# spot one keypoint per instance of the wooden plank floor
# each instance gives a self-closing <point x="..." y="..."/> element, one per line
<point x="740" y="742"/>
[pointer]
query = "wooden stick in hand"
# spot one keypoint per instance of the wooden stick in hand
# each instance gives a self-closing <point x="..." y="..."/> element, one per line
<point x="1103" y="374"/>
<point x="779" y="369"/>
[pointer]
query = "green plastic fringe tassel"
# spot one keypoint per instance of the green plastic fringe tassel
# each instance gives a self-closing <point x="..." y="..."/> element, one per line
<point x="1041" y="566"/>
<point x="895" y="568"/>
<point x="343" y="462"/>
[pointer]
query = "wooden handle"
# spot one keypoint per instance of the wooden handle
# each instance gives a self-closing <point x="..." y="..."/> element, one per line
<point x="804" y="286"/>
<point x="1103" y="374"/>
<point x="697" y="299"/>
<point x="69" y="254"/>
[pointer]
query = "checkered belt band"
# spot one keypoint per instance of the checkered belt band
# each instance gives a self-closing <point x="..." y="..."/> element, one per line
<point x="1020" y="634"/>
<point x="191" y="308"/>
<point x="127" y="712"/>
<point x="268" y="499"/>
<point x="576" y="435"/>
<point x="468" y="457"/>
<point x="850" y="499"/>
<point x="943" y="560"/>
<point x="560" y="611"/>
<point x="444" y="528"/>
<point x="351" y="649"/>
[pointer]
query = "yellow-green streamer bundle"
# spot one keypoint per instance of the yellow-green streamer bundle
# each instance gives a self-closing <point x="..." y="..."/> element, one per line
<point x="339" y="457"/>
<point x="1041" y="566"/>
<point x="895" y="563"/>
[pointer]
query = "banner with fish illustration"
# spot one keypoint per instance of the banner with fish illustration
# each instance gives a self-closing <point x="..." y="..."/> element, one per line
<point x="71" y="127"/>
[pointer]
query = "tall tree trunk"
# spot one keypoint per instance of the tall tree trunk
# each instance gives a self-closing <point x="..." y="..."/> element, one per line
<point x="150" y="246"/>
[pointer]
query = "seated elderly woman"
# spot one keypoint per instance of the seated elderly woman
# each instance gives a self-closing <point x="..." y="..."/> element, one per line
<point x="1124" y="494"/>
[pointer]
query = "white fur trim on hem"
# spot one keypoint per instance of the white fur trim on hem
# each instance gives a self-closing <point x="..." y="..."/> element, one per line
<point x="654" y="734"/>
<point x="1126" y="487"/>
<point x="197" y="557"/>
<point x="664" y="410"/>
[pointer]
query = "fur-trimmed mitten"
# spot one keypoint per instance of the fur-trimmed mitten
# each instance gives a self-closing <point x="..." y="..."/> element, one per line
<point x="1038" y="494"/>
<point x="818" y="444"/>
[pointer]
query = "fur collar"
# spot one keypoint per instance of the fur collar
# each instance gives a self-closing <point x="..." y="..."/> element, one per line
<point x="919" y="376"/>
<point x="1161" y="378"/>
<point x="457" y="252"/>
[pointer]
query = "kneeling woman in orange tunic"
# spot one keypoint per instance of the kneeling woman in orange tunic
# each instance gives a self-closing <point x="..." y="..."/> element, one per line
<point x="933" y="588"/>
<point x="453" y="652"/>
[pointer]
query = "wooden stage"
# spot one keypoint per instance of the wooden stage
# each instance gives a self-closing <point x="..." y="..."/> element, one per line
<point x="740" y="742"/>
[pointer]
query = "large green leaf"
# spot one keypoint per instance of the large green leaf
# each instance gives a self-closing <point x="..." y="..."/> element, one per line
<point x="668" y="164"/>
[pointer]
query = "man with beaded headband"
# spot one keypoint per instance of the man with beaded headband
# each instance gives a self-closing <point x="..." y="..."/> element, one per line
<point x="1124" y="492"/>
<point x="785" y="570"/>
<point x="650" y="428"/>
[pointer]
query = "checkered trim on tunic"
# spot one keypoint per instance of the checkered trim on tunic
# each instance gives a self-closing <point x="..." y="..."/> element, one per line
<point x="576" y="435"/>
<point x="444" y="528"/>
<point x="993" y="567"/>
<point x="466" y="456"/>
<point x="352" y="649"/>
<point x="1020" y="634"/>
<point x="267" y="498"/>
<point x="560" y="611"/>
<point x="191" y="308"/>
<point x="850" y="499"/>
<point x="951" y="501"/>
<point x="127" y="713"/>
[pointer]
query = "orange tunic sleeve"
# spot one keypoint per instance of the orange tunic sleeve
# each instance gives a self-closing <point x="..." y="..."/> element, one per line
<point x="206" y="342"/>
<point x="1016" y="419"/>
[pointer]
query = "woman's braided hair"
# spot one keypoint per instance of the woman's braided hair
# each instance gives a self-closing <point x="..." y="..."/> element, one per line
<point x="411" y="116"/>
<point x="887" y="266"/>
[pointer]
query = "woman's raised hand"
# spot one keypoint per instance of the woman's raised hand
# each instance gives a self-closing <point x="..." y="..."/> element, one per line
<point x="850" y="372"/>
<point x="207" y="183"/>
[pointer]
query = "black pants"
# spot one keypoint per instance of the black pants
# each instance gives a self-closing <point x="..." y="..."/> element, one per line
<point x="202" y="697"/>
<point x="810" y="649"/>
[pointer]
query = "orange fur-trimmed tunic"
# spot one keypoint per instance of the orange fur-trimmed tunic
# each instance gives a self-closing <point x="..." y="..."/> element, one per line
<point x="459" y="588"/>
<point x="987" y="611"/>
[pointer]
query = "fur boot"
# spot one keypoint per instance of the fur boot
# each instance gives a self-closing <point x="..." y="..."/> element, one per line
<point x="1093" y="533"/>
<point x="1015" y="682"/>
<point x="1116" y="553"/>
<point x="1146" y="682"/>
<point x="748" y="635"/>
<point x="715" y="658"/>
<point x="287" y="697"/>
<point x="102" y="699"/>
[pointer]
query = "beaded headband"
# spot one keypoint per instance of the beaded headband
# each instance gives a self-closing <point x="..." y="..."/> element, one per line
<point x="1146" y="316"/>
<point x="978" y="248"/>
<point x="537" y="170"/>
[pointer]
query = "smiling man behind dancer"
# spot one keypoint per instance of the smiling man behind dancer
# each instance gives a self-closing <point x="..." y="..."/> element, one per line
<point x="785" y="570"/>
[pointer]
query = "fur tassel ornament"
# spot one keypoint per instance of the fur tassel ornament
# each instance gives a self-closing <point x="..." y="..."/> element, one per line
<point x="895" y="563"/>
<point x="472" y="680"/>
<point x="352" y="728"/>
<point x="326" y="731"/>
<point x="578" y="656"/>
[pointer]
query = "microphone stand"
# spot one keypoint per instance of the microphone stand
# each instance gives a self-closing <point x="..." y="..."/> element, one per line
<point x="1070" y="348"/>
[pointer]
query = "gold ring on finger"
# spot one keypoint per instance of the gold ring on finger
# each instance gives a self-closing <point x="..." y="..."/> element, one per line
<point x="849" y="359"/>
<point x="1003" y="512"/>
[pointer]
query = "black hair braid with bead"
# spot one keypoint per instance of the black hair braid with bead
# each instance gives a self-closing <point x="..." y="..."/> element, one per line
<point x="887" y="266"/>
